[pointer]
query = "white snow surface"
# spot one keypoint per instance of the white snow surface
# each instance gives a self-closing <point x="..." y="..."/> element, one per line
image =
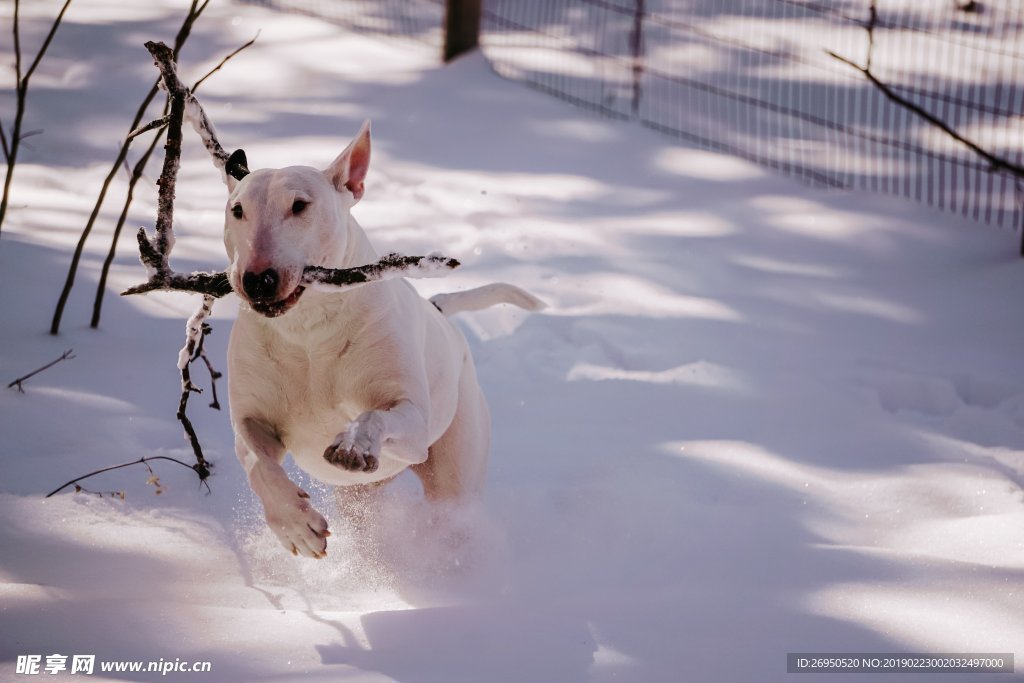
<point x="756" y="419"/>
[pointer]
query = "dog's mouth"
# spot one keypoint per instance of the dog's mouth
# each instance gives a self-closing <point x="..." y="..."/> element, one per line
<point x="272" y="309"/>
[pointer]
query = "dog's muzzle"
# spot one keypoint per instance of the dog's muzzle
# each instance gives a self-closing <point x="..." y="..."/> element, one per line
<point x="272" y="309"/>
<point x="261" y="286"/>
<point x="261" y="289"/>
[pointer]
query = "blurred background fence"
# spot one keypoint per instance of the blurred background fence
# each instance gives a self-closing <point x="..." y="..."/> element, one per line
<point x="752" y="78"/>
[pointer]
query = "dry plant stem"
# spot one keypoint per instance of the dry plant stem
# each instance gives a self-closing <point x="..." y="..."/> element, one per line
<point x="195" y="10"/>
<point x="17" y="384"/>
<point x="21" y="92"/>
<point x="140" y="461"/>
<point x="3" y="140"/>
<point x="135" y="176"/>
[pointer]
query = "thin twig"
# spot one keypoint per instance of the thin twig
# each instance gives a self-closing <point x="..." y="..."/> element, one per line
<point x="224" y="61"/>
<point x="17" y="384"/>
<point x="140" y="461"/>
<point x="17" y="44"/>
<point x="21" y="92"/>
<point x="46" y="44"/>
<point x="159" y="123"/>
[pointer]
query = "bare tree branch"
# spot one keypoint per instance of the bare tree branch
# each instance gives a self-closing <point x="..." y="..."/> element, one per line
<point x="217" y="284"/>
<point x="163" y="242"/>
<point x="195" y="330"/>
<point x="996" y="163"/>
<point x="134" y="177"/>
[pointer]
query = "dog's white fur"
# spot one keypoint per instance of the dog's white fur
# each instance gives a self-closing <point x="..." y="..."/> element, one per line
<point x="357" y="385"/>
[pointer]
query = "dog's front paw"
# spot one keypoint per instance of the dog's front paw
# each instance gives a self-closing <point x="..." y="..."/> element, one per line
<point x="357" y="449"/>
<point x="299" y="527"/>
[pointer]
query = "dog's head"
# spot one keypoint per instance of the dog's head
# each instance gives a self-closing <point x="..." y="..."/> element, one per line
<point x="278" y="221"/>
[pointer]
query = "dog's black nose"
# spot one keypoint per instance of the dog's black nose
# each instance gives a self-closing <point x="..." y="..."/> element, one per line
<point x="261" y="286"/>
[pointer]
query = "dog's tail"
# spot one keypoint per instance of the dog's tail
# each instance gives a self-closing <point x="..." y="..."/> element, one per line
<point x="480" y="298"/>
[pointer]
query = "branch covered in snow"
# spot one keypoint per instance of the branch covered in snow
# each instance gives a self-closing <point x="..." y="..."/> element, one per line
<point x="155" y="252"/>
<point x="209" y="284"/>
<point x="216" y="285"/>
<point x="195" y="331"/>
<point x="201" y="123"/>
<point x="389" y="266"/>
<point x="160" y="248"/>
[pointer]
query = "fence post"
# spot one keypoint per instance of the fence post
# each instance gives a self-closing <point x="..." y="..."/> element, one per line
<point x="461" y="27"/>
<point x="636" y="42"/>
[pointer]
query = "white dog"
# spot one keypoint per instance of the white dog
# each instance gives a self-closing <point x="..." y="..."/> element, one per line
<point x="356" y="385"/>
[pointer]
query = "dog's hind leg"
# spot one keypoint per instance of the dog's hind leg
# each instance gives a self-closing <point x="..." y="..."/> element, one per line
<point x="457" y="463"/>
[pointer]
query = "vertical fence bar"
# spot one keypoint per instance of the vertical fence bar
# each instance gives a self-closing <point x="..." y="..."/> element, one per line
<point x="636" y="44"/>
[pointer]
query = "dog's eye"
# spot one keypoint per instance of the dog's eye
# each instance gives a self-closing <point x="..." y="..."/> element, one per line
<point x="299" y="205"/>
<point x="236" y="210"/>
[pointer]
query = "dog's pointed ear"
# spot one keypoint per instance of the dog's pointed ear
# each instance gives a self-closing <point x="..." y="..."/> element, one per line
<point x="348" y="171"/>
<point x="236" y="168"/>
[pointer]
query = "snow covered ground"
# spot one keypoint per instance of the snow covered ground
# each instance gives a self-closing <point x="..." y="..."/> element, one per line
<point x="756" y="419"/>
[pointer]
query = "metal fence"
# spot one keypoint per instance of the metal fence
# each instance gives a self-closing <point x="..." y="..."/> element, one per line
<point x="753" y="78"/>
<point x="419" y="20"/>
